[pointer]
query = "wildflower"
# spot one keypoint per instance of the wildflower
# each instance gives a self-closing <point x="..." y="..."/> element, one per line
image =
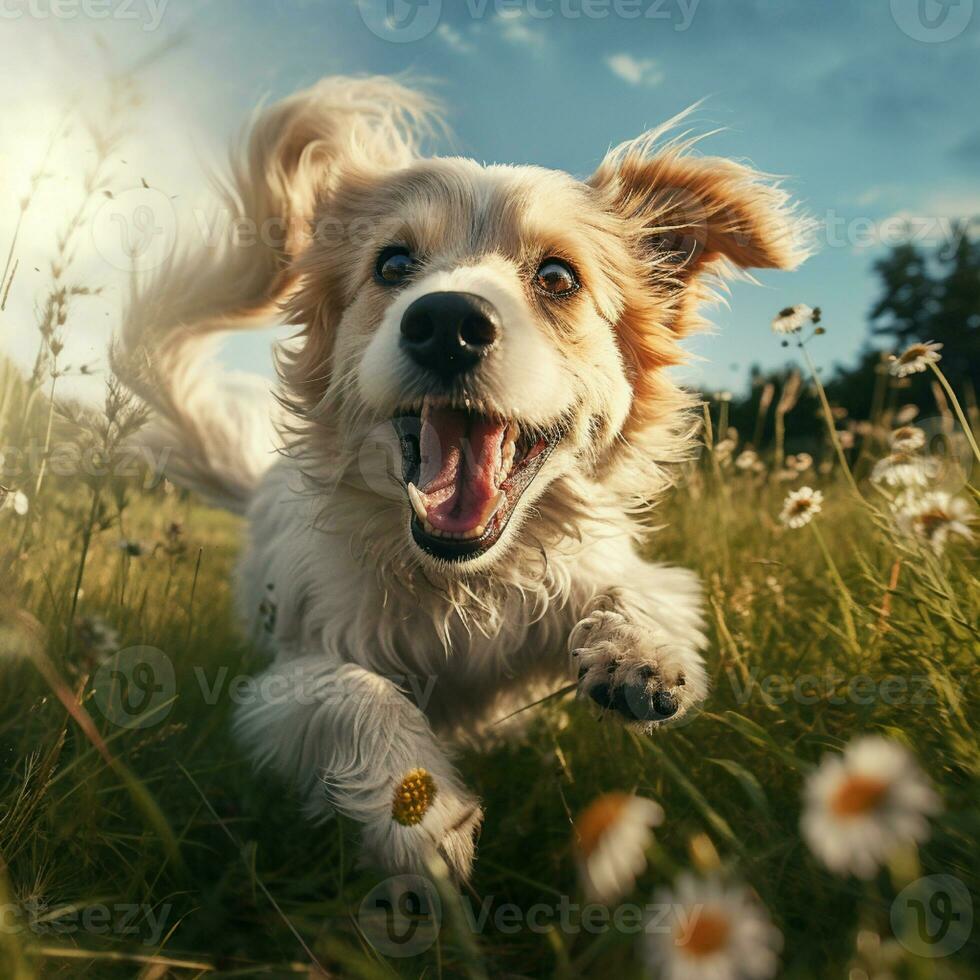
<point x="15" y="500"/>
<point x="906" y="414"/>
<point x="725" y="448"/>
<point x="934" y="517"/>
<point x="902" y="469"/>
<point x="793" y="318"/>
<point x="746" y="459"/>
<point x="907" y="439"/>
<point x="95" y="635"/>
<point x="915" y="358"/>
<point x="712" y="930"/>
<point x="413" y="797"/>
<point x="801" y="462"/>
<point x="865" y="805"/>
<point x="613" y="834"/>
<point x="800" y="507"/>
<point x="846" y="438"/>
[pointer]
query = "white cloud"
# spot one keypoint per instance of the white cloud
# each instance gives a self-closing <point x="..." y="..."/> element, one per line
<point x="514" y="28"/>
<point x="453" y="38"/>
<point x="635" y="71"/>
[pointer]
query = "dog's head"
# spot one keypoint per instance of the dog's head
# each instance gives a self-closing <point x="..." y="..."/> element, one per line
<point x="511" y="327"/>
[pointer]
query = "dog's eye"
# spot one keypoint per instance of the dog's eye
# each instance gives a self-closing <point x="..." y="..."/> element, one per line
<point x="555" y="278"/>
<point x="394" y="264"/>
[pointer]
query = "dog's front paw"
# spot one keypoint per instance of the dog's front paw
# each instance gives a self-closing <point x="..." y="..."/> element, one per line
<point x="628" y="669"/>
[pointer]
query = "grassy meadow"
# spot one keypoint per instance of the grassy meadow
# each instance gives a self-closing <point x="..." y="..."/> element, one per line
<point x="138" y="843"/>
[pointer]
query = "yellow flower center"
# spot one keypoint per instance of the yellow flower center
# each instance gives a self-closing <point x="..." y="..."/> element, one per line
<point x="413" y="796"/>
<point x="595" y="821"/>
<point x="706" y="933"/>
<point x="913" y="353"/>
<point x="858" y="795"/>
<point x="931" y="521"/>
<point x="800" y="506"/>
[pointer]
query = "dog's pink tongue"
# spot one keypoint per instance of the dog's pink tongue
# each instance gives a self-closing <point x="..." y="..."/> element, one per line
<point x="459" y="464"/>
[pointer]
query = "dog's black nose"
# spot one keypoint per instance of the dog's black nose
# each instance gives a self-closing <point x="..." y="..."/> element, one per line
<point x="449" y="332"/>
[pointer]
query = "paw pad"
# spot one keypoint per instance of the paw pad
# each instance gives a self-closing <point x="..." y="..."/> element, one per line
<point x="413" y="797"/>
<point x="639" y="699"/>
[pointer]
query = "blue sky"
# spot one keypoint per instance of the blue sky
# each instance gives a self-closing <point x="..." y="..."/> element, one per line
<point x="868" y="109"/>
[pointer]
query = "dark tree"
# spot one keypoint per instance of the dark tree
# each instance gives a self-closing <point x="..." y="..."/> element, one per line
<point x="935" y="297"/>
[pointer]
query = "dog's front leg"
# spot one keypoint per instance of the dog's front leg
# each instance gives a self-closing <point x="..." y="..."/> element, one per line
<point x="353" y="740"/>
<point x="636" y="647"/>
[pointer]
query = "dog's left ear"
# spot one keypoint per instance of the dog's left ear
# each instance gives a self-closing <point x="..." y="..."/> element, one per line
<point x="686" y="216"/>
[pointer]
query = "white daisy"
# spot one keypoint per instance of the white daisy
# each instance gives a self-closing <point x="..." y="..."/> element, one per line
<point x="15" y="500"/>
<point x="800" y="507"/>
<point x="611" y="838"/>
<point x="792" y="319"/>
<point x="96" y="635"/>
<point x="801" y="462"/>
<point x="725" y="448"/>
<point x="907" y="439"/>
<point x="746" y="459"/>
<point x="712" y="931"/>
<point x="934" y="517"/>
<point x="902" y="469"/>
<point x="915" y="358"/>
<point x="863" y="806"/>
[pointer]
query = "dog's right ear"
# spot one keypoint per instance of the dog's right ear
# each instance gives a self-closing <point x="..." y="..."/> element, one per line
<point x="295" y="153"/>
<point x="298" y="149"/>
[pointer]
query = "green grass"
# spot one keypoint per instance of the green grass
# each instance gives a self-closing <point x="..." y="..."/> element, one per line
<point x="168" y="817"/>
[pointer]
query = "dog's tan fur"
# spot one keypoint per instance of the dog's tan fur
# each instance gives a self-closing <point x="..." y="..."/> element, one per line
<point x="361" y="609"/>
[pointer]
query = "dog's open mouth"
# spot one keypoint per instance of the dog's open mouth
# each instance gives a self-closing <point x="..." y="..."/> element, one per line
<point x="464" y="473"/>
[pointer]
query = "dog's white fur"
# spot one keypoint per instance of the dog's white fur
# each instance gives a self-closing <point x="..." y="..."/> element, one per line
<point x="382" y="654"/>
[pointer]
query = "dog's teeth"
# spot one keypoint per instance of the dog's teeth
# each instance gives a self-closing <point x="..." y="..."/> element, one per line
<point x="495" y="505"/>
<point x="478" y="531"/>
<point x="418" y="505"/>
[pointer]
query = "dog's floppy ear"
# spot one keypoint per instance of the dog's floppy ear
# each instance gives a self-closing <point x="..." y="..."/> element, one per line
<point x="300" y="147"/>
<point x="687" y="215"/>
